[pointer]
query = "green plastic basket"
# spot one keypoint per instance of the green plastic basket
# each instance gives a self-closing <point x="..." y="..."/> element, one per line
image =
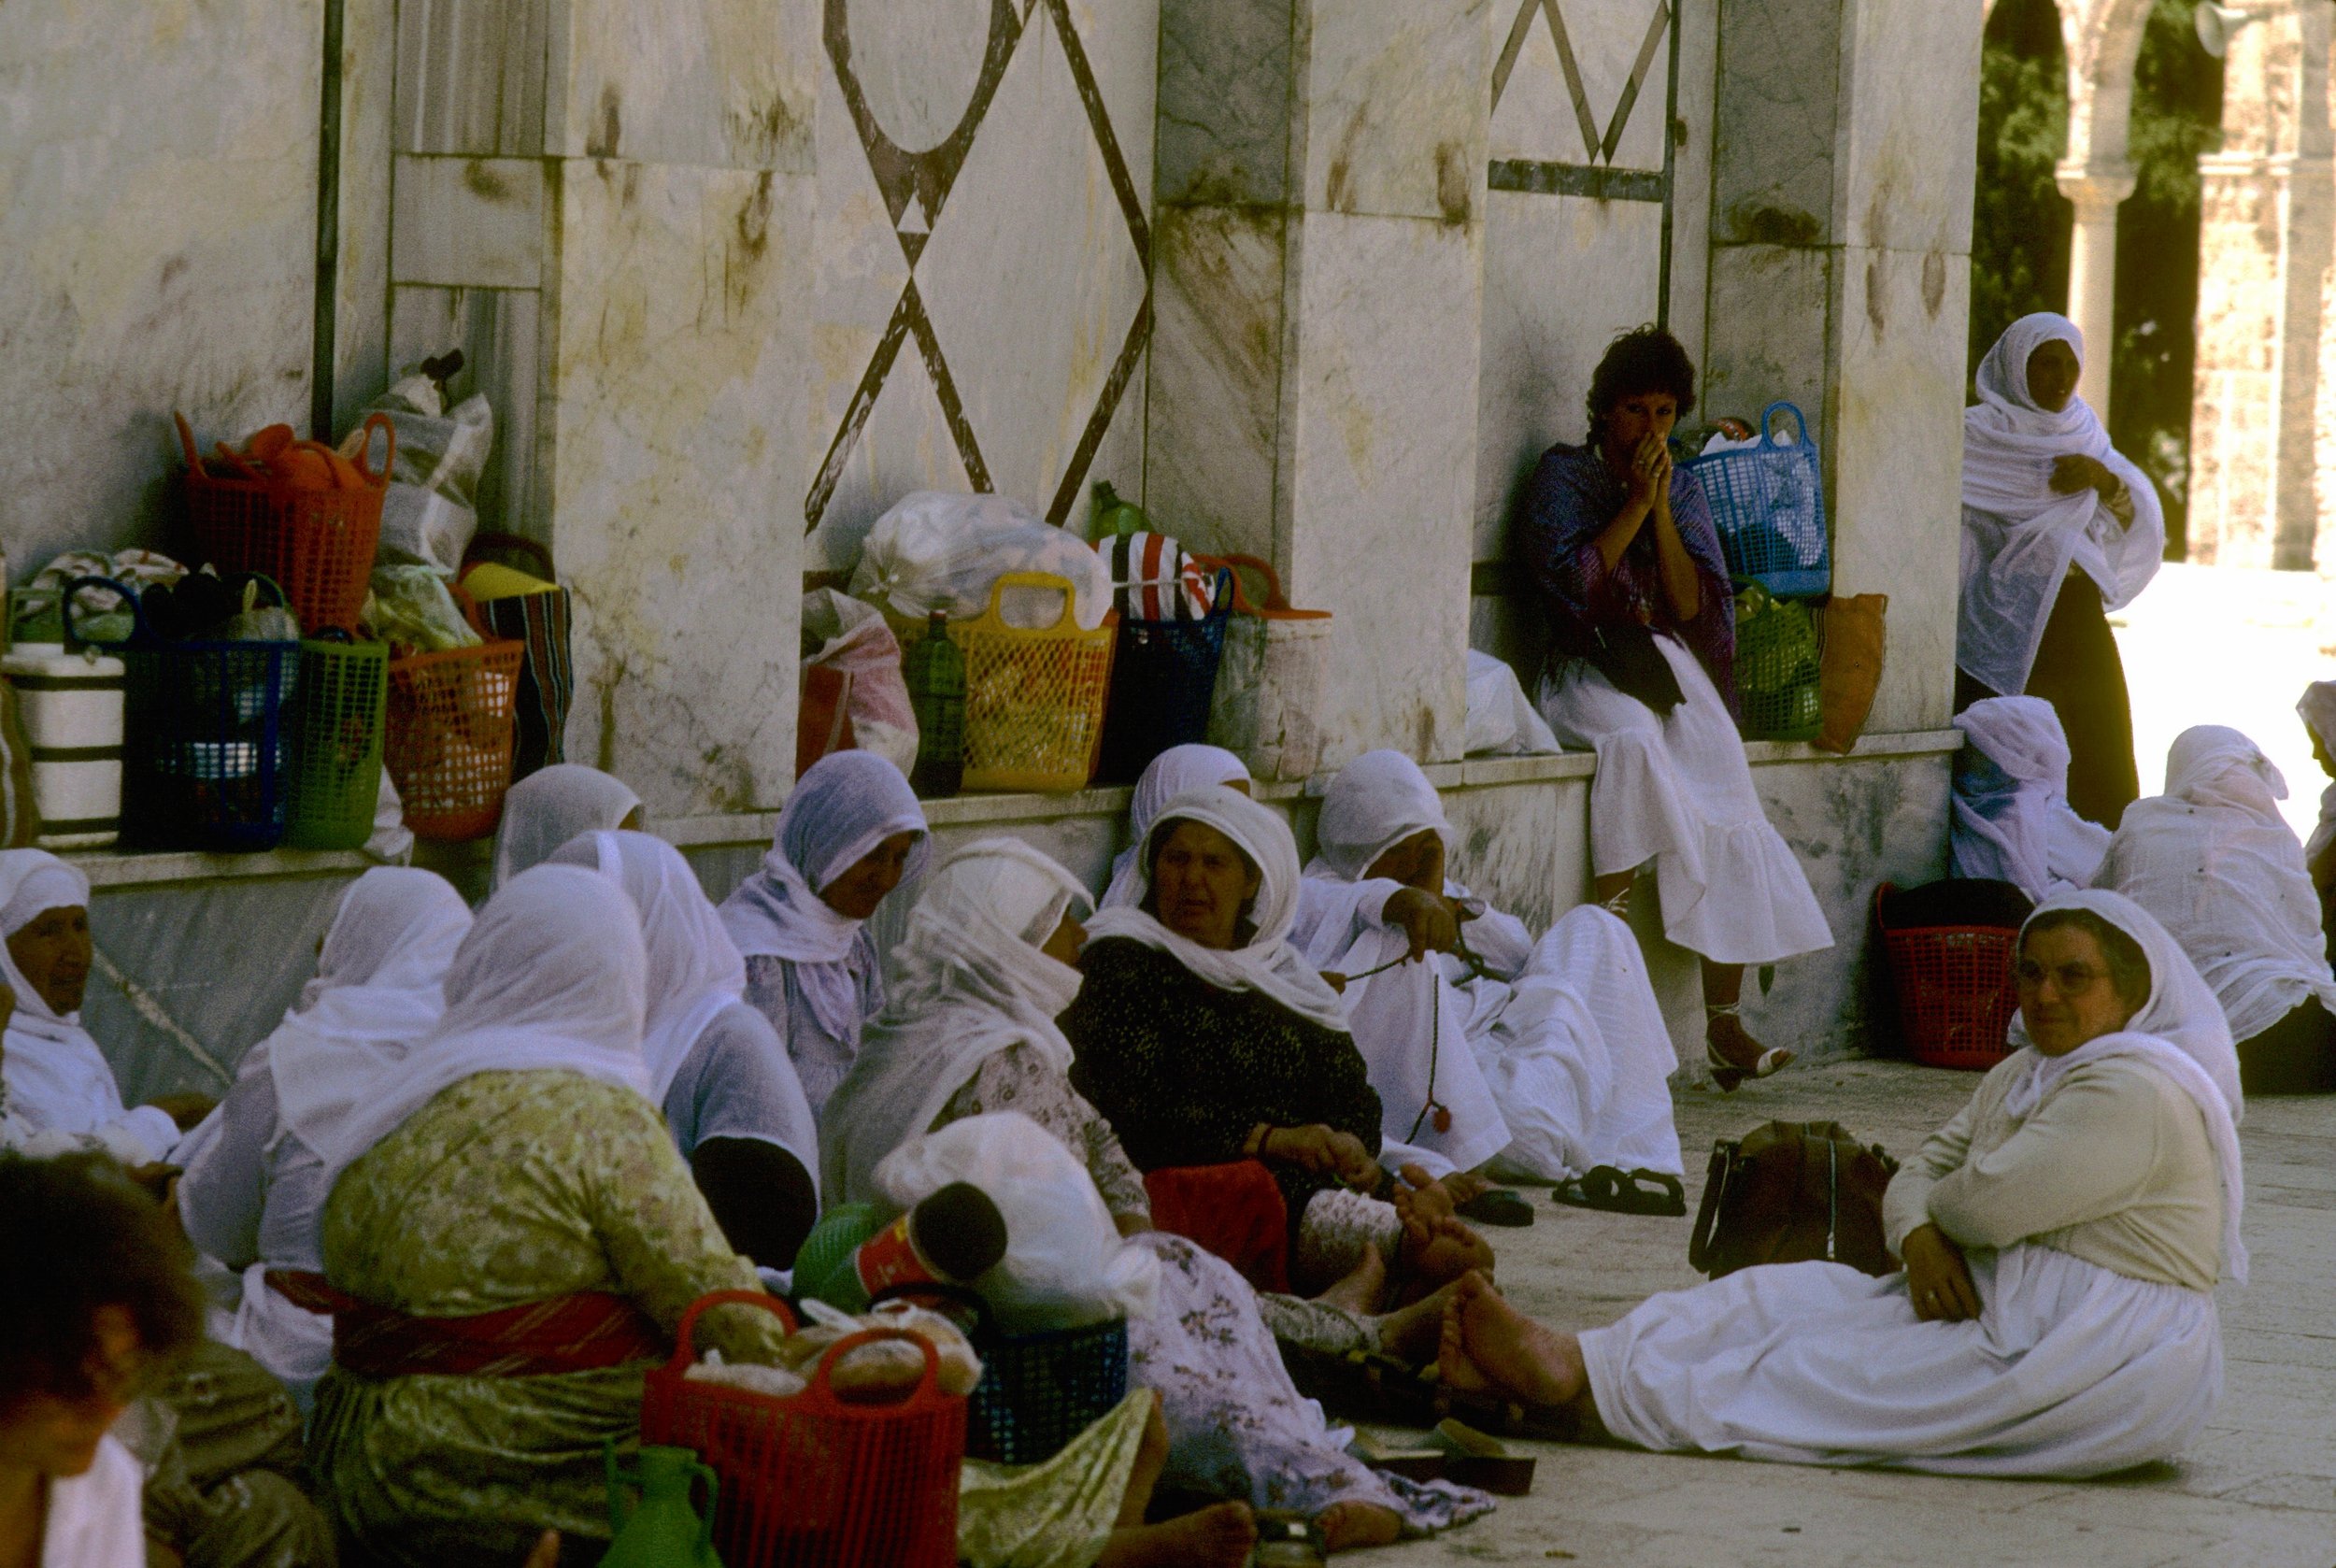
<point x="1776" y="666"/>
<point x="337" y="731"/>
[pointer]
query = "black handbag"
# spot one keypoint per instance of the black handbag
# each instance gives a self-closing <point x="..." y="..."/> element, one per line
<point x="1627" y="656"/>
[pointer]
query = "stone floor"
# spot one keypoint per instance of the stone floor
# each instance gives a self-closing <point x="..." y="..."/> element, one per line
<point x="2257" y="1491"/>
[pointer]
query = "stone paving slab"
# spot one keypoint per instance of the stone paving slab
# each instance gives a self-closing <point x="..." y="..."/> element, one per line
<point x="2258" y="1489"/>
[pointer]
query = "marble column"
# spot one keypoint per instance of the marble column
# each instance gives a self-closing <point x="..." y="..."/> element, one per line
<point x="1318" y="282"/>
<point x="2096" y="194"/>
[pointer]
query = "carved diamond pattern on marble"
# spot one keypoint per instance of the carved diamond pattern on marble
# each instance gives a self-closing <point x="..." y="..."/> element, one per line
<point x="1605" y="56"/>
<point x="918" y="187"/>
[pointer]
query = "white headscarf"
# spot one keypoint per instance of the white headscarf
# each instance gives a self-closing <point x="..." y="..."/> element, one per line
<point x="694" y="970"/>
<point x="2180" y="1031"/>
<point x="552" y="805"/>
<point x="1268" y="964"/>
<point x="1378" y="801"/>
<point x="1167" y="775"/>
<point x="2014" y="824"/>
<point x="2213" y="861"/>
<point x="965" y="981"/>
<point x="56" y="1080"/>
<point x="552" y="976"/>
<point x="2318" y="708"/>
<point x="378" y="989"/>
<point x="2020" y="536"/>
<point x="845" y="805"/>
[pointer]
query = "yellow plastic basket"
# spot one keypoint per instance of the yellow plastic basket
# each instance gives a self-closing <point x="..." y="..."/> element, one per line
<point x="1035" y="699"/>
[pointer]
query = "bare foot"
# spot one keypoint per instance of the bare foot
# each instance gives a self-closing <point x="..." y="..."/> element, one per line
<point x="1414" y="1334"/>
<point x="1732" y="1043"/>
<point x="1488" y="1344"/>
<point x="546" y="1552"/>
<point x="1363" y="1288"/>
<point x="1349" y="1526"/>
<point x="1446" y="1252"/>
<point x="1462" y="1186"/>
<point x="1220" y="1537"/>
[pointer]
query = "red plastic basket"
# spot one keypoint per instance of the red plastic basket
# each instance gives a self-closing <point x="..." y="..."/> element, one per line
<point x="319" y="544"/>
<point x="450" y="732"/>
<point x="1954" y="987"/>
<point x="811" y="1481"/>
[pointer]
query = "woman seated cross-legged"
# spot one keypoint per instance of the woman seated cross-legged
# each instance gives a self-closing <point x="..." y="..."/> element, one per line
<point x="1636" y="597"/>
<point x="2062" y="1236"/>
<point x="2214" y="860"/>
<point x="1208" y="1042"/>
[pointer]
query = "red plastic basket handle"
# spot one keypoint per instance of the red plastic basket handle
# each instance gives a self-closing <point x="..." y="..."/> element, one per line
<point x="186" y="443"/>
<point x="469" y="607"/>
<point x="684" y="1352"/>
<point x="927" y="1390"/>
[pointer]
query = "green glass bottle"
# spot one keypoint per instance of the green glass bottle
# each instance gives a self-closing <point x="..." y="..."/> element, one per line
<point x="934" y="670"/>
<point x="1114" y="515"/>
<point x="661" y="1531"/>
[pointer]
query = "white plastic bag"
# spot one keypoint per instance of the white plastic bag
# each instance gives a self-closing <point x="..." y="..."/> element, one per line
<point x="850" y="636"/>
<point x="1501" y="722"/>
<point x="1064" y="1263"/>
<point x="429" y="514"/>
<point x="934" y="551"/>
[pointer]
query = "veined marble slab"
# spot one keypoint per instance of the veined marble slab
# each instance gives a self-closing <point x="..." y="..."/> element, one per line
<point x="704" y="83"/>
<point x="1394" y="106"/>
<point x="468" y="222"/>
<point x="1226" y="97"/>
<point x="499" y="332"/>
<point x="470" y="77"/>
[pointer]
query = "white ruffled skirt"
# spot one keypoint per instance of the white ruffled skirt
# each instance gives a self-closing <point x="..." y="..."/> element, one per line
<point x="2070" y="1370"/>
<point x="1678" y="792"/>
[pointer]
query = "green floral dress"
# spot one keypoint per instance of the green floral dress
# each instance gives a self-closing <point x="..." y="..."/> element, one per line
<point x="509" y="1187"/>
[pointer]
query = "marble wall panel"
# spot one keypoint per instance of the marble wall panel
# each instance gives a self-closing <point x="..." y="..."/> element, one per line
<point x="681" y="324"/>
<point x="1853" y="826"/>
<point x="468" y="222"/>
<point x="500" y="333"/>
<point x="1395" y="108"/>
<point x="471" y="76"/>
<point x="1215" y="407"/>
<point x="158" y="218"/>
<point x="1377" y="469"/>
<point x="1539" y="114"/>
<point x="1543" y="336"/>
<point x="1765" y="337"/>
<point x="1534" y="116"/>
<point x="1524" y="847"/>
<point x="1226" y="91"/>
<point x="704" y="83"/>
<point x="1909" y="136"/>
<point x="368" y="135"/>
<point x="1895" y="464"/>
<point x="1776" y="120"/>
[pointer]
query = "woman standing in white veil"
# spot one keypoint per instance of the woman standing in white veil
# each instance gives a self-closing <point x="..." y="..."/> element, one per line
<point x="2058" y="529"/>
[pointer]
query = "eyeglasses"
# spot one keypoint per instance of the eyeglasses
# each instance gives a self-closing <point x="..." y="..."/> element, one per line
<point x="2069" y="980"/>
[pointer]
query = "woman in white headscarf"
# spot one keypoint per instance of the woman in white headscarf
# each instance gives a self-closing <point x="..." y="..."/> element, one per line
<point x="2063" y="1237"/>
<point x="2220" y="868"/>
<point x="551" y="806"/>
<point x="1167" y="775"/>
<point x="254" y="1189"/>
<point x="729" y="1094"/>
<point x="1214" y="1047"/>
<point x="851" y="832"/>
<point x="511" y="1239"/>
<point x="2058" y="529"/>
<point x="2012" y="820"/>
<point x="2317" y="708"/>
<point x="53" y="1079"/>
<point x="1566" y="1053"/>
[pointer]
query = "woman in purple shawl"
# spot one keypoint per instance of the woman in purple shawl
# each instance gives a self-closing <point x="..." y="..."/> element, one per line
<point x="1635" y="590"/>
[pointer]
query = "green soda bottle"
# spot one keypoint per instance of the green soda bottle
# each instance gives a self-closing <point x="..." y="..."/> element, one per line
<point x="934" y="670"/>
<point x="1114" y="515"/>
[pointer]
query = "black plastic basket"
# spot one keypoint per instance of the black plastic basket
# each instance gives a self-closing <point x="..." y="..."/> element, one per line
<point x="1037" y="1390"/>
<point x="207" y="754"/>
<point x="1163" y="682"/>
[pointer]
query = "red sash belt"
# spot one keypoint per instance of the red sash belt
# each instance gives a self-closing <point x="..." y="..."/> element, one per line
<point x="580" y="1332"/>
<point x="1234" y="1210"/>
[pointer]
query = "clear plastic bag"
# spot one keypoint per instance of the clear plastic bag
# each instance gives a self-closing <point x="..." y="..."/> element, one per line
<point x="1066" y="1265"/>
<point x="934" y="551"/>
<point x="430" y="513"/>
<point x="410" y="606"/>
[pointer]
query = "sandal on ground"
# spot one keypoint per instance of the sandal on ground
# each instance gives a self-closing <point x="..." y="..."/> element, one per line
<point x="1730" y="1076"/>
<point x="1497" y="1205"/>
<point x="1363" y="1386"/>
<point x="1620" y="1192"/>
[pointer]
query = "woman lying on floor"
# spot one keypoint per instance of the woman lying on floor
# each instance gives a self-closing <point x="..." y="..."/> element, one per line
<point x="974" y="987"/>
<point x="1213" y="1047"/>
<point x="2062" y="1236"/>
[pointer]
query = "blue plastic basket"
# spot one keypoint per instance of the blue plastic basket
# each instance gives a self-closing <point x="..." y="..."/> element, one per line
<point x="1163" y="683"/>
<point x="1038" y="1390"/>
<point x="1768" y="501"/>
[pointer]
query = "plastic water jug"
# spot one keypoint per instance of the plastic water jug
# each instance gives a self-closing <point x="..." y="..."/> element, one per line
<point x="661" y="1531"/>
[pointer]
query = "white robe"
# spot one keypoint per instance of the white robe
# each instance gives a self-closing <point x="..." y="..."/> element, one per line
<point x="93" y="1518"/>
<point x="2012" y="817"/>
<point x="1678" y="792"/>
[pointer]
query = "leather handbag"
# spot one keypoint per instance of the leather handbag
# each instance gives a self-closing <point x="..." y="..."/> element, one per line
<point x="1791" y="1193"/>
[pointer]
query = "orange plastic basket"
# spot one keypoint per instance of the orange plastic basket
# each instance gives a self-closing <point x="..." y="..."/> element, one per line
<point x="1035" y="699"/>
<point x="451" y="734"/>
<point x="1954" y="987"/>
<point x="812" y="1481"/>
<point x="319" y="544"/>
